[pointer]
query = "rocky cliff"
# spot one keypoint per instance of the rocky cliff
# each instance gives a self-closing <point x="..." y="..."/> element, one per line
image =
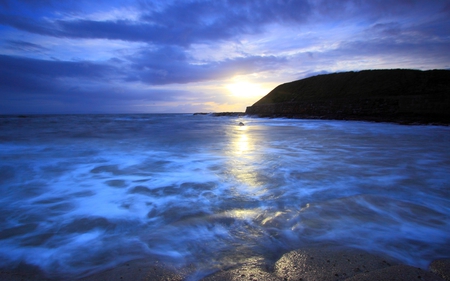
<point x="405" y="96"/>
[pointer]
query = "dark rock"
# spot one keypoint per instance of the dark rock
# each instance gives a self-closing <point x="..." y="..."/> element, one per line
<point x="441" y="267"/>
<point x="402" y="96"/>
<point x="236" y="114"/>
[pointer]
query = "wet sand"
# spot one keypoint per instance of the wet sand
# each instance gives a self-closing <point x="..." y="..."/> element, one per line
<point x="310" y="264"/>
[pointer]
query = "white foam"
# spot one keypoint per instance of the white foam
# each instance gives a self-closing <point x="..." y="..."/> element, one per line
<point x="198" y="187"/>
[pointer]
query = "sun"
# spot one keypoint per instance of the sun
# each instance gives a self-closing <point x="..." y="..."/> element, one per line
<point x="246" y="90"/>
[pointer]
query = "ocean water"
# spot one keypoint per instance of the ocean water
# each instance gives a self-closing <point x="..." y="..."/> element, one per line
<point x="82" y="193"/>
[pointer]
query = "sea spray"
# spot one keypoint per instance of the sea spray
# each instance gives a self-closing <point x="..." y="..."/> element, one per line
<point x="81" y="193"/>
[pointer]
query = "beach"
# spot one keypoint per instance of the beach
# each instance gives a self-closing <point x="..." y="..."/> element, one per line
<point x="192" y="197"/>
<point x="310" y="264"/>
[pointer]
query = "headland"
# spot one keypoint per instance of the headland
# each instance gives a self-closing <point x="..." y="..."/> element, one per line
<point x="397" y="95"/>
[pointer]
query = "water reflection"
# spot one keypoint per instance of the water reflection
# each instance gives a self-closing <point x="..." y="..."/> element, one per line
<point x="242" y="159"/>
<point x="242" y="142"/>
<point x="242" y="145"/>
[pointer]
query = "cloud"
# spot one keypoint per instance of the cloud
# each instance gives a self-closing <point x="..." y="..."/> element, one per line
<point x="33" y="79"/>
<point x="170" y="65"/>
<point x="144" y="52"/>
<point x="39" y="86"/>
<point x="24" y="46"/>
<point x="181" y="23"/>
<point x="27" y="66"/>
<point x="374" y="53"/>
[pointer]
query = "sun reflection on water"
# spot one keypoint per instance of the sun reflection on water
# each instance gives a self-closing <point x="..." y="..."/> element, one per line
<point x="242" y="144"/>
<point x="242" y="158"/>
<point x="241" y="141"/>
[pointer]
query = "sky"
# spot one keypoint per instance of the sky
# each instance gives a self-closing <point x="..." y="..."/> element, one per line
<point x="171" y="56"/>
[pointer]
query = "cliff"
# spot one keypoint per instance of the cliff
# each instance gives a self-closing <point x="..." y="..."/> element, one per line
<point x="405" y="96"/>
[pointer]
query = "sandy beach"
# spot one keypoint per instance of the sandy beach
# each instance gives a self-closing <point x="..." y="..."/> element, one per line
<point x="309" y="264"/>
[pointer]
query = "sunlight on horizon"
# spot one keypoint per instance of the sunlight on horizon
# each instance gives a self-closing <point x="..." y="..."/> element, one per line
<point x="244" y="89"/>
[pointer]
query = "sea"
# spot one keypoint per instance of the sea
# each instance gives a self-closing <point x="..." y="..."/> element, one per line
<point x="84" y="193"/>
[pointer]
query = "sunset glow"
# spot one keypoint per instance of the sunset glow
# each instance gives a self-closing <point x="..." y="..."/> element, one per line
<point x="188" y="56"/>
<point x="247" y="90"/>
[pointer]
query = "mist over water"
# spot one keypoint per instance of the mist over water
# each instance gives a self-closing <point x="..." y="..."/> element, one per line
<point x="83" y="193"/>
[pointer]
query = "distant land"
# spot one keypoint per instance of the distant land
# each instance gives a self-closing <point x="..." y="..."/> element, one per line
<point x="396" y="95"/>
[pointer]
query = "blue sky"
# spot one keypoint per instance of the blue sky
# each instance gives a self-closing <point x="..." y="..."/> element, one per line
<point x="171" y="56"/>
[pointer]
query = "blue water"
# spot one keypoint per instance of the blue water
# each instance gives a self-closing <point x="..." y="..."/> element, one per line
<point x="80" y="194"/>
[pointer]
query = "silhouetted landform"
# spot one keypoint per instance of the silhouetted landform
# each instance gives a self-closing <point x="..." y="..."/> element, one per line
<point x="397" y="95"/>
<point x="216" y="114"/>
<point x="228" y="114"/>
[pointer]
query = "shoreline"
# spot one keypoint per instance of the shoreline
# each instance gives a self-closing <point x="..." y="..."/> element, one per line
<point x="313" y="264"/>
<point x="402" y="96"/>
<point x="401" y="120"/>
<point x="431" y="120"/>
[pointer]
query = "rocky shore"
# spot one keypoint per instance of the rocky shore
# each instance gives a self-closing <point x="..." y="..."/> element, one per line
<point x="309" y="264"/>
<point x="375" y="110"/>
<point x="398" y="95"/>
<point x="218" y="114"/>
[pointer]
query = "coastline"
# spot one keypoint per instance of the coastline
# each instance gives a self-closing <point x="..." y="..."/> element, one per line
<point x="402" y="119"/>
<point x="312" y="264"/>
<point x="176" y="274"/>
<point x="397" y="95"/>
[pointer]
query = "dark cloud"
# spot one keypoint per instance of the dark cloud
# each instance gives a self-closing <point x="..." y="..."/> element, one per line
<point x="170" y="65"/>
<point x="102" y="99"/>
<point x="87" y="85"/>
<point x="386" y="29"/>
<point x="24" y="46"/>
<point x="32" y="7"/>
<point x="307" y="74"/>
<point x="439" y="28"/>
<point x="4" y="3"/>
<point x="325" y="33"/>
<point x="229" y="16"/>
<point x="27" y="80"/>
<point x="181" y="23"/>
<point x="40" y="86"/>
<point x="42" y="27"/>
<point x="36" y="83"/>
<point x="368" y="10"/>
<point x="32" y="3"/>
<point x="55" y="69"/>
<point x="385" y="50"/>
